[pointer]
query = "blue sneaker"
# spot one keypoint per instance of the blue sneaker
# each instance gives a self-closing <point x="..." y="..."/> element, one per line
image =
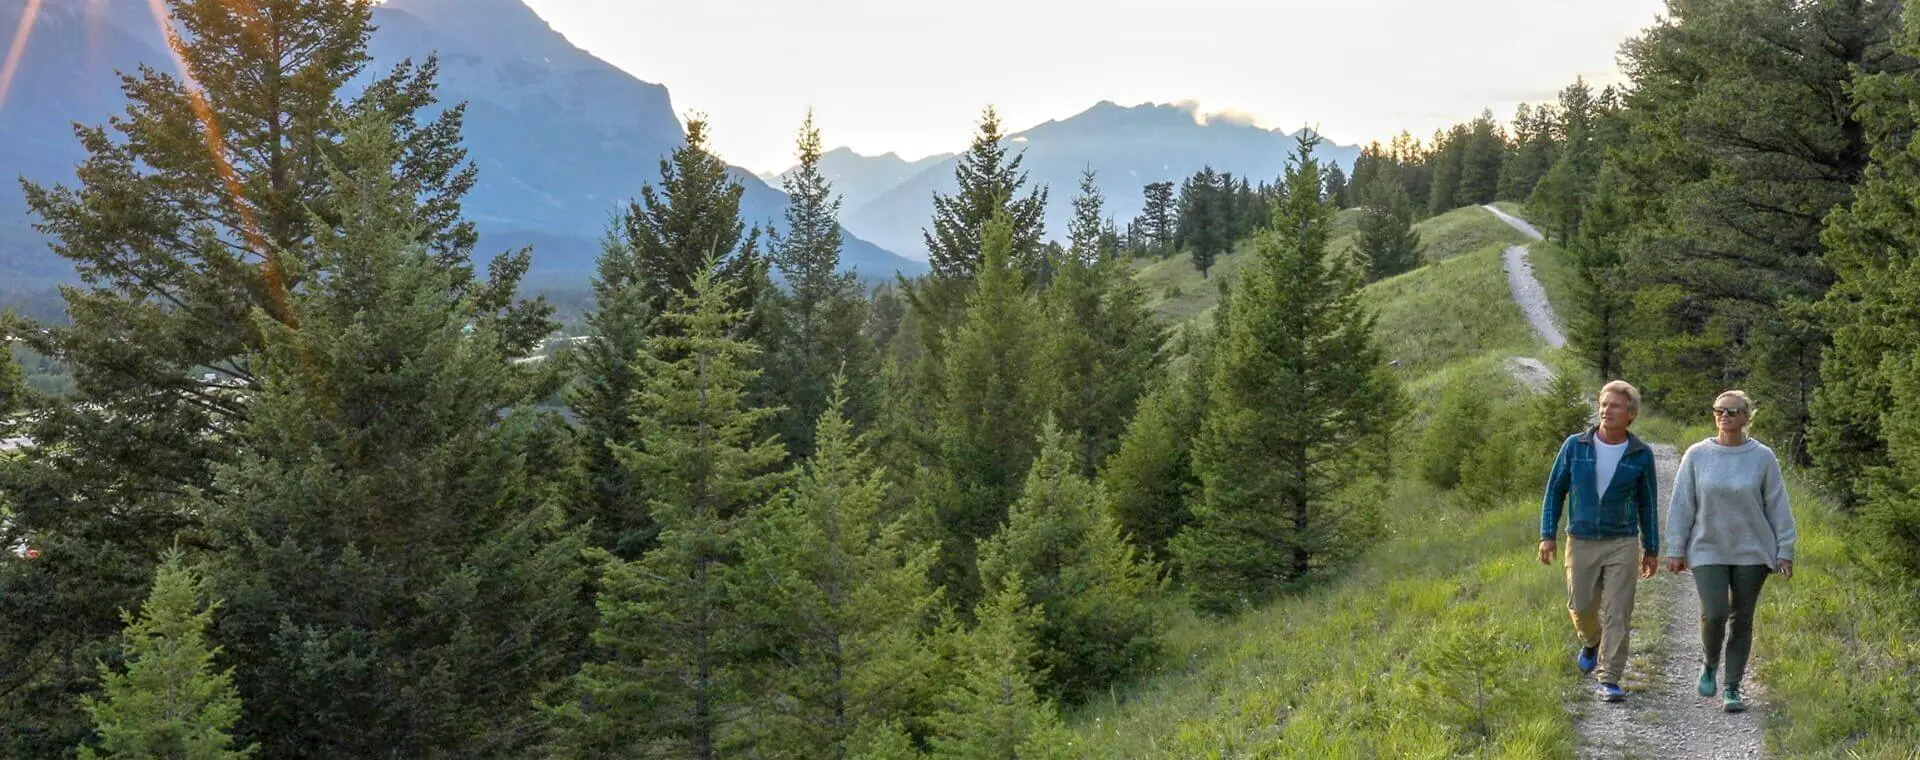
<point x="1610" y="692"/>
<point x="1706" y="681"/>
<point x="1588" y="658"/>
<point x="1730" y="700"/>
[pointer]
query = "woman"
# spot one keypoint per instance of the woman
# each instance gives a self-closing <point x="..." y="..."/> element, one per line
<point x="1731" y="525"/>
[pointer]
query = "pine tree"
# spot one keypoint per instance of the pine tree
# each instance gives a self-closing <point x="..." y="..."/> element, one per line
<point x="169" y="702"/>
<point x="993" y="712"/>
<point x="678" y="228"/>
<point x="1085" y="231"/>
<point x="396" y="579"/>
<point x="670" y="677"/>
<point x="1205" y="227"/>
<point x="1485" y="151"/>
<point x="1446" y="164"/>
<point x="1746" y="152"/>
<point x="837" y="595"/>
<point x="1298" y="401"/>
<point x="1103" y="340"/>
<point x="1604" y="299"/>
<point x="1158" y="218"/>
<point x="1387" y="240"/>
<point x="995" y="391"/>
<point x="613" y="499"/>
<point x="825" y="312"/>
<point x="989" y="184"/>
<point x="1864" y="430"/>
<point x="193" y="208"/>
<point x="1336" y="191"/>
<point x="1063" y="548"/>
<point x="1150" y="478"/>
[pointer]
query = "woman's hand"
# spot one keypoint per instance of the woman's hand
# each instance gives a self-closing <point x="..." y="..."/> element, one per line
<point x="1676" y="565"/>
<point x="1786" y="568"/>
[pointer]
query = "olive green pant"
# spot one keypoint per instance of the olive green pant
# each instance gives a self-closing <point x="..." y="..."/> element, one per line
<point x="1729" y="594"/>
<point x="1602" y="575"/>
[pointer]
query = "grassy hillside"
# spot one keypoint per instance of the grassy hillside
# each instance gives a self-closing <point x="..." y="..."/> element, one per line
<point x="1447" y="312"/>
<point x="1178" y="293"/>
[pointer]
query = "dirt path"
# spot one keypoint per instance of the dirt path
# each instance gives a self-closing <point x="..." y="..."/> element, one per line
<point x="1527" y="290"/>
<point x="1663" y="716"/>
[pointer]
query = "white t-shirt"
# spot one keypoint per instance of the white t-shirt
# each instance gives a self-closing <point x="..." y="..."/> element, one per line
<point x="1606" y="458"/>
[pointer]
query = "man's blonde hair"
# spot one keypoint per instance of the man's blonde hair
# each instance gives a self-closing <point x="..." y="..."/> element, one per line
<point x="1623" y="388"/>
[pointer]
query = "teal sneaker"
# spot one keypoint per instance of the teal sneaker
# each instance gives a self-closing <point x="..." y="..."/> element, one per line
<point x="1730" y="700"/>
<point x="1706" y="681"/>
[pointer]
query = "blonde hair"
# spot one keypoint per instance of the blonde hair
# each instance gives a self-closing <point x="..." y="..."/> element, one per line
<point x="1623" y="388"/>
<point x="1746" y="402"/>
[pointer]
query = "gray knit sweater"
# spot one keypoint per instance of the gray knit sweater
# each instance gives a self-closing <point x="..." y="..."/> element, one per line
<point x="1729" y="507"/>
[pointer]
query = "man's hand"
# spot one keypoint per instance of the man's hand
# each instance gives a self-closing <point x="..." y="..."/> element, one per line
<point x="1786" y="569"/>
<point x="1649" y="562"/>
<point x="1546" y="552"/>
<point x="1676" y="565"/>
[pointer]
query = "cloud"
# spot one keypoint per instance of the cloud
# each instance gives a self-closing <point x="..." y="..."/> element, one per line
<point x="1204" y="116"/>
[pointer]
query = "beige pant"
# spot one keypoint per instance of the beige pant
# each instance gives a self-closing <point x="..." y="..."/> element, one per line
<point x="1601" y="576"/>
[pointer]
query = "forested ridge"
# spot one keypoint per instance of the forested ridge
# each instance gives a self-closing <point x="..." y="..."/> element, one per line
<point x="283" y="482"/>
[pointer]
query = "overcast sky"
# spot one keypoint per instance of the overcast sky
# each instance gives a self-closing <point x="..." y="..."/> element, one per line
<point x="911" y="76"/>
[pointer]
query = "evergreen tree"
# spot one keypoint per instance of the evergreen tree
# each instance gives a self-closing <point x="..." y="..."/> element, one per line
<point x="1103" y="341"/>
<point x="996" y="388"/>
<point x="1299" y="399"/>
<point x="1207" y="218"/>
<point x="1084" y="232"/>
<point x="193" y="208"/>
<point x="838" y="596"/>
<point x="680" y="227"/>
<point x="1447" y="165"/>
<point x="993" y="711"/>
<point x="1062" y="546"/>
<point x="1772" y="141"/>
<point x="825" y="312"/>
<point x="1150" y="478"/>
<point x="613" y="498"/>
<point x="670" y="675"/>
<point x="989" y="183"/>
<point x="1533" y="153"/>
<point x="1386" y="237"/>
<point x="1603" y="301"/>
<point x="1336" y="191"/>
<point x="395" y="577"/>
<point x="1864" y="430"/>
<point x="1480" y="161"/>
<point x="169" y="702"/>
<point x="1158" y="218"/>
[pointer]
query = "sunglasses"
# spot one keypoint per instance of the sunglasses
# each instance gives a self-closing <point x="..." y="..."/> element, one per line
<point x="1724" y="412"/>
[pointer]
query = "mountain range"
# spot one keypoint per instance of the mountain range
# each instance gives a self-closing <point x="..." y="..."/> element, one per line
<point x="1127" y="147"/>
<point x="561" y="138"/>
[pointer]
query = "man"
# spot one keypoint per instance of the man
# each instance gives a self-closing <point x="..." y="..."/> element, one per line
<point x="1614" y="522"/>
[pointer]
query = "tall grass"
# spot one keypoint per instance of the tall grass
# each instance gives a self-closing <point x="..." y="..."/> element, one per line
<point x="1838" y="648"/>
<point x="1446" y="640"/>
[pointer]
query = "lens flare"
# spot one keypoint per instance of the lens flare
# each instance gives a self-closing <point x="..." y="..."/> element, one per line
<point x="217" y="149"/>
<point x="17" y="50"/>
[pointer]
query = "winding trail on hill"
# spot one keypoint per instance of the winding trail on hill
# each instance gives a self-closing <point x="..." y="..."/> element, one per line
<point x="1663" y="716"/>
<point x="1527" y="290"/>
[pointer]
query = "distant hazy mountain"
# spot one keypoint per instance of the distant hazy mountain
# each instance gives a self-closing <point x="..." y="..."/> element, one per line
<point x="561" y="137"/>
<point x="861" y="179"/>
<point x="1128" y="147"/>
